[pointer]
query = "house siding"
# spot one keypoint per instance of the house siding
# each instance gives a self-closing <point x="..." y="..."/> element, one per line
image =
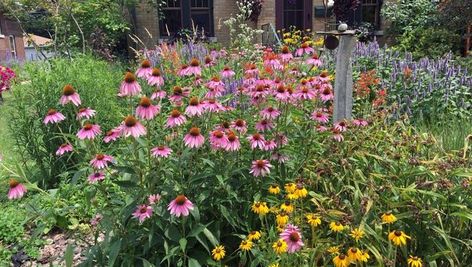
<point x="10" y="27"/>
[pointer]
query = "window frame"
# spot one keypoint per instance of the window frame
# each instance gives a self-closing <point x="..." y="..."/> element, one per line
<point x="12" y="45"/>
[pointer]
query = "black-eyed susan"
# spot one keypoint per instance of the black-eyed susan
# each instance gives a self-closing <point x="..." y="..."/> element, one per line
<point x="388" y="218"/>
<point x="254" y="235"/>
<point x="218" y="253"/>
<point x="336" y="227"/>
<point x="246" y="245"/>
<point x="281" y="219"/>
<point x="290" y="187"/>
<point x="300" y="191"/>
<point x="333" y="250"/>
<point x="357" y="234"/>
<point x="287" y="207"/>
<point x="274" y="265"/>
<point x="354" y="254"/>
<point x="313" y="219"/>
<point x="414" y="261"/>
<point x="280" y="246"/>
<point x="274" y="189"/>
<point x="292" y="196"/>
<point x="398" y="237"/>
<point x="365" y="256"/>
<point x="341" y="261"/>
<point x="260" y="208"/>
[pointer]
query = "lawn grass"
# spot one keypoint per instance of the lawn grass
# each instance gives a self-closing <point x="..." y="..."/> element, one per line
<point x="6" y="145"/>
<point x="452" y="135"/>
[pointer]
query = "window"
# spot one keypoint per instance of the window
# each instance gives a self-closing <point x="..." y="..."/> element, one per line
<point x="371" y="12"/>
<point x="186" y="14"/>
<point x="12" y="46"/>
<point x="293" y="13"/>
<point x="1" y="31"/>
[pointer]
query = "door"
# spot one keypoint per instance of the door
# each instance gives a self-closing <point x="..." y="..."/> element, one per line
<point x="293" y="13"/>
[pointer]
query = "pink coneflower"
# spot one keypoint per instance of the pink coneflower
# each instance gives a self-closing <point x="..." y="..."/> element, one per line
<point x="129" y="86"/>
<point x="305" y="93"/>
<point x="360" y="122"/>
<point x="320" y="116"/>
<point x="145" y="69"/>
<point x="132" y="127"/>
<point x="158" y="94"/>
<point x="17" y="190"/>
<point x="175" y="119"/>
<point x="239" y="125"/>
<point x="212" y="105"/>
<point x="96" y="220"/>
<point x="146" y="110"/>
<point x="155" y="79"/>
<point x="261" y="90"/>
<point x="281" y="93"/>
<point x="215" y="83"/>
<point x="314" y="60"/>
<point x="180" y="206"/>
<point x="337" y="135"/>
<point x="326" y="94"/>
<point x="161" y="151"/>
<point x="304" y="49"/>
<point x="89" y="131"/>
<point x="264" y="125"/>
<point x="324" y="76"/>
<point x="53" y="116"/>
<point x="142" y="213"/>
<point x="194" y="68"/>
<point x="194" y="139"/>
<point x="218" y="139"/>
<point x="183" y="70"/>
<point x="340" y="126"/>
<point x="269" y="145"/>
<point x="272" y="62"/>
<point x="233" y="143"/>
<point x="112" y="135"/>
<point x="269" y="113"/>
<point x="101" y="161"/>
<point x="69" y="95"/>
<point x="96" y="177"/>
<point x="227" y="73"/>
<point x="285" y="54"/>
<point x="209" y="61"/>
<point x="281" y="139"/>
<point x="153" y="199"/>
<point x="279" y="157"/>
<point x="194" y="108"/>
<point x="197" y="80"/>
<point x="293" y="237"/>
<point x="177" y="94"/>
<point x="86" y="113"/>
<point x="257" y="140"/>
<point x="251" y="70"/>
<point x="63" y="149"/>
<point x="260" y="167"/>
<point x="321" y="128"/>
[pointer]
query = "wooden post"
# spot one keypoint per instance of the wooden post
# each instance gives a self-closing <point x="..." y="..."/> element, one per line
<point x="343" y="83"/>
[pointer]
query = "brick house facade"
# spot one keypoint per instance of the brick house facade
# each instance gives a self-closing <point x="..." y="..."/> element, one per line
<point x="11" y="40"/>
<point x="210" y="14"/>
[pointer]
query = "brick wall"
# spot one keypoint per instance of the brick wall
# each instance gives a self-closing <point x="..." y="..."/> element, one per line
<point x="10" y="27"/>
<point x="222" y="10"/>
<point x="147" y="24"/>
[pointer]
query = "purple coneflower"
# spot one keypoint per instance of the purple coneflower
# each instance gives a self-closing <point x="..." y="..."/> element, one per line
<point x="269" y="113"/>
<point x="326" y="94"/>
<point x="257" y="140"/>
<point x="96" y="177"/>
<point x="260" y="167"/>
<point x="158" y="94"/>
<point x="314" y="60"/>
<point x="269" y="145"/>
<point x="218" y="139"/>
<point x="175" y="119"/>
<point x="132" y="127"/>
<point x="101" y="161"/>
<point x="129" y="86"/>
<point x="337" y="135"/>
<point x="285" y="54"/>
<point x="194" y="68"/>
<point x="180" y="206"/>
<point x="63" y="149"/>
<point x="320" y="116"/>
<point x="146" y="110"/>
<point x="17" y="190"/>
<point x="194" y="139"/>
<point x="227" y="73"/>
<point x="161" y="151"/>
<point x="53" y="116"/>
<point x="69" y="95"/>
<point x="144" y="70"/>
<point x="360" y="122"/>
<point x="293" y="237"/>
<point x="112" y="135"/>
<point x="153" y="199"/>
<point x="212" y="105"/>
<point x="233" y="143"/>
<point x="142" y="213"/>
<point x="89" y="131"/>
<point x="304" y="49"/>
<point x="155" y="78"/>
<point x="239" y="125"/>
<point x="86" y="113"/>
<point x="194" y="108"/>
<point x="305" y="93"/>
<point x="264" y="125"/>
<point x="341" y="126"/>
<point x="183" y="70"/>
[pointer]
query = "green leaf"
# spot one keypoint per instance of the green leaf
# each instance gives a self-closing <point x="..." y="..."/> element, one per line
<point x="114" y="251"/>
<point x="193" y="263"/>
<point x="183" y="244"/>
<point x="172" y="233"/>
<point x="147" y="263"/>
<point x="210" y="237"/>
<point x="69" y="255"/>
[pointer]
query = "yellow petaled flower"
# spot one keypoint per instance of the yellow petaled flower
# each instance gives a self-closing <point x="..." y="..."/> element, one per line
<point x="336" y="227"/>
<point x="357" y="234"/>
<point x="333" y="250"/>
<point x="245" y="245"/>
<point x="254" y="235"/>
<point x="313" y="220"/>
<point x="218" y="253"/>
<point x="414" y="261"/>
<point x="274" y="265"/>
<point x="341" y="261"/>
<point x="287" y="207"/>
<point x="290" y="187"/>
<point x="398" y="238"/>
<point x="274" y="189"/>
<point x="354" y="254"/>
<point x="365" y="256"/>
<point x="260" y="208"/>
<point x="301" y="191"/>
<point x="281" y="219"/>
<point x="292" y="196"/>
<point x="280" y="246"/>
<point x="287" y="34"/>
<point x="388" y="217"/>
